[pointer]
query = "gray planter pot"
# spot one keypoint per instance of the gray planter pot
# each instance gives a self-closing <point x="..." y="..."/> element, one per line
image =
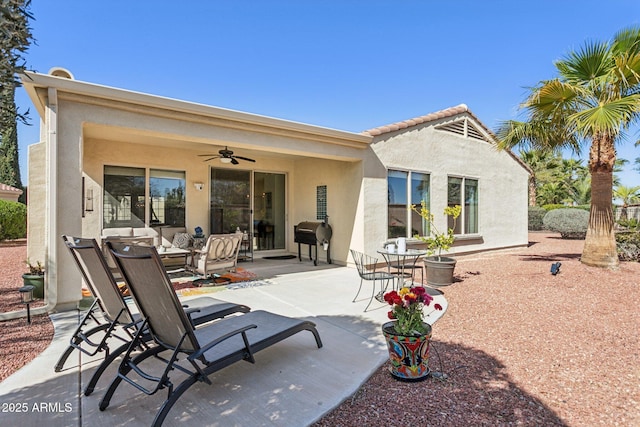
<point x="439" y="273"/>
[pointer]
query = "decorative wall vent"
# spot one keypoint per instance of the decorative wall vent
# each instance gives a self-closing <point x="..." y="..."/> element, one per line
<point x="463" y="127"/>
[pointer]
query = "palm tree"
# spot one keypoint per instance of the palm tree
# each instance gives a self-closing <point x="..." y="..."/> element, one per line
<point x="628" y="196"/>
<point x="572" y="175"/>
<point x="595" y="98"/>
<point x="542" y="165"/>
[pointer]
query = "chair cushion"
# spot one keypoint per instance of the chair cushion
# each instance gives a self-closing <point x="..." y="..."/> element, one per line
<point x="181" y="240"/>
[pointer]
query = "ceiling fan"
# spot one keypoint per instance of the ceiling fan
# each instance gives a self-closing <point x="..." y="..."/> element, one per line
<point x="226" y="156"/>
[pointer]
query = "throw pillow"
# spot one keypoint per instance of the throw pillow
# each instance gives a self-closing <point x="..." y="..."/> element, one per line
<point x="181" y="240"/>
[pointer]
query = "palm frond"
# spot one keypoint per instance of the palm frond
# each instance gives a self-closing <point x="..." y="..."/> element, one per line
<point x="607" y="117"/>
<point x="591" y="61"/>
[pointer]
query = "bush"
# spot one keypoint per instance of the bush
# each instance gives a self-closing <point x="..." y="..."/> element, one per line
<point x="570" y="223"/>
<point x="628" y="245"/>
<point x="557" y="206"/>
<point x="536" y="213"/>
<point x="630" y="224"/>
<point x="13" y="220"/>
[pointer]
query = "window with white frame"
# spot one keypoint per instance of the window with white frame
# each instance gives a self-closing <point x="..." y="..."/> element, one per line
<point x="459" y="189"/>
<point x="404" y="189"/>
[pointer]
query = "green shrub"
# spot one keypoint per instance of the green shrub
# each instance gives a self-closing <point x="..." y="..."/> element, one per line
<point x="558" y="206"/>
<point x="552" y="207"/>
<point x="628" y="245"/>
<point x="536" y="213"/>
<point x="631" y="224"/>
<point x="13" y="220"/>
<point x="570" y="223"/>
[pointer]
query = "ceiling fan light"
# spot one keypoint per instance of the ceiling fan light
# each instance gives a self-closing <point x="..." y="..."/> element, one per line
<point x="225" y="160"/>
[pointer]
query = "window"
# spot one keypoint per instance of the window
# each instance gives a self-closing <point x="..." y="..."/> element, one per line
<point x="464" y="189"/>
<point x="321" y="202"/>
<point x="124" y="201"/>
<point x="166" y="190"/>
<point x="406" y="188"/>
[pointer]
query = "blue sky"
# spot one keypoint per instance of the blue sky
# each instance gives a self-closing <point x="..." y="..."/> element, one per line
<point x="344" y="64"/>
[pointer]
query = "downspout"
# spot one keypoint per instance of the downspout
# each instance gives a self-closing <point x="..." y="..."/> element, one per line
<point x="51" y="216"/>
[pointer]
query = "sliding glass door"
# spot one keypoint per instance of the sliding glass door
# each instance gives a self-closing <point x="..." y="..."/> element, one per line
<point x="251" y="201"/>
<point x="269" y="210"/>
<point x="230" y="201"/>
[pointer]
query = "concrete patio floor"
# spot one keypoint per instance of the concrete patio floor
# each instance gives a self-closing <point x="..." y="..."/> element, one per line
<point x="292" y="383"/>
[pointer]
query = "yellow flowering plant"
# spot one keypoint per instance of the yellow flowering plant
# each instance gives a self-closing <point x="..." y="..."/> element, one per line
<point x="437" y="241"/>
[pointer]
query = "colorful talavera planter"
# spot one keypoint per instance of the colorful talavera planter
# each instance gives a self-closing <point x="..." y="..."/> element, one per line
<point x="409" y="355"/>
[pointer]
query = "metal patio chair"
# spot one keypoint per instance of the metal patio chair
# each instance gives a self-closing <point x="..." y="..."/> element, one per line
<point x="109" y="317"/>
<point x="203" y="351"/>
<point x="366" y="266"/>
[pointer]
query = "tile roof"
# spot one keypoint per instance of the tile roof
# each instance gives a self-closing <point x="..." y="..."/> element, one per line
<point x="442" y="114"/>
<point x="9" y="189"/>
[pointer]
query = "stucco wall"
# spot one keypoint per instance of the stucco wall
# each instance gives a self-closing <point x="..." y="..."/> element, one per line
<point x="36" y="208"/>
<point x="343" y="186"/>
<point x="502" y="184"/>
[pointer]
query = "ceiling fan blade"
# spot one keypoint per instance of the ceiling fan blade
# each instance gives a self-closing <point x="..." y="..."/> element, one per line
<point x="244" y="158"/>
<point x="205" y="155"/>
<point x="234" y="161"/>
<point x="210" y="158"/>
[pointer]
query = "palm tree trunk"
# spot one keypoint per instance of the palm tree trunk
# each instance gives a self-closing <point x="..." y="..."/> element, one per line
<point x="533" y="196"/>
<point x="600" y="243"/>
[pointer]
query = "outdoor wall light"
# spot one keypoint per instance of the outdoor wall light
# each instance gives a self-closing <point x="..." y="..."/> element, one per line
<point x="26" y="295"/>
<point x="198" y="185"/>
<point x="88" y="202"/>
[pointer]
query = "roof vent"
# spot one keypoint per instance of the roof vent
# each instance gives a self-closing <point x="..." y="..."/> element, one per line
<point x="464" y="128"/>
<point x="61" y="72"/>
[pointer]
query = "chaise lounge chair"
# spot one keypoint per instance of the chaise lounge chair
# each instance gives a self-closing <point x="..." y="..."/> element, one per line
<point x="117" y="321"/>
<point x="207" y="349"/>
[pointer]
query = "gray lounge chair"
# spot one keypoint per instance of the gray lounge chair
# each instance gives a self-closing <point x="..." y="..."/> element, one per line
<point x="95" y="332"/>
<point x="207" y="349"/>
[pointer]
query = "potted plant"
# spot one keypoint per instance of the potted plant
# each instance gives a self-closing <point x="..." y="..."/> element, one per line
<point x="35" y="277"/>
<point x="439" y="269"/>
<point x="407" y="335"/>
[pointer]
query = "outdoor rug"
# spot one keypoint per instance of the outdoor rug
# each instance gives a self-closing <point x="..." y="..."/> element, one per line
<point x="186" y="283"/>
<point x="191" y="291"/>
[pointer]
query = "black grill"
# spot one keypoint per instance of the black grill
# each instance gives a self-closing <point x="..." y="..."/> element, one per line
<point x="313" y="234"/>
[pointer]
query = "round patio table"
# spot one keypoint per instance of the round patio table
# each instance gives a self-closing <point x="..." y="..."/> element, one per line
<point x="401" y="261"/>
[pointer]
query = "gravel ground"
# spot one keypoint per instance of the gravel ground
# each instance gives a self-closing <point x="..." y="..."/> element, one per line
<point x="19" y="342"/>
<point x="521" y="347"/>
<point x="518" y="345"/>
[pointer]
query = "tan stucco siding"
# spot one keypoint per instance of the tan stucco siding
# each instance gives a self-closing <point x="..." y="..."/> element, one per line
<point x="502" y="183"/>
<point x="343" y="188"/>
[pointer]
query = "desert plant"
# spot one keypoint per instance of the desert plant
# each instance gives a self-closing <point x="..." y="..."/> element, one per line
<point x="628" y="245"/>
<point x="536" y="213"/>
<point x="570" y="223"/>
<point x="36" y="269"/>
<point x="13" y="220"/>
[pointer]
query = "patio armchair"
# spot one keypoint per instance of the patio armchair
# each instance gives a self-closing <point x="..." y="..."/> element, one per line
<point x="219" y="253"/>
<point x="109" y="317"/>
<point x="366" y="266"/>
<point x="204" y="350"/>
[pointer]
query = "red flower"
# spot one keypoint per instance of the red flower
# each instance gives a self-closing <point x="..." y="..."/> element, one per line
<point x="418" y="290"/>
<point x="390" y="297"/>
<point x="391" y="316"/>
<point x="426" y="299"/>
